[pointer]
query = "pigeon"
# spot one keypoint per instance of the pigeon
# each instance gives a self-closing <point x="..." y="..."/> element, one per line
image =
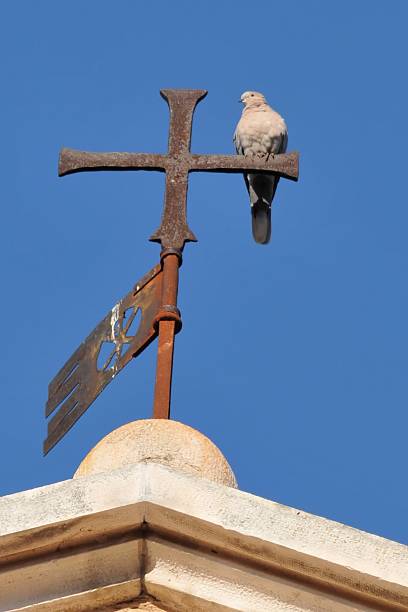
<point x="260" y="132"/>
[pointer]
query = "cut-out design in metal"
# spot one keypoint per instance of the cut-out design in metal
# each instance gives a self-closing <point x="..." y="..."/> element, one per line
<point x="80" y="380"/>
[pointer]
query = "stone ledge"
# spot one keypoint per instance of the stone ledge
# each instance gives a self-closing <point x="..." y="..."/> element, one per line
<point x="258" y="541"/>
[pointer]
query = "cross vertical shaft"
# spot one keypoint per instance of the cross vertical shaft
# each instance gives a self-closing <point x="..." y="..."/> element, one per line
<point x="174" y="231"/>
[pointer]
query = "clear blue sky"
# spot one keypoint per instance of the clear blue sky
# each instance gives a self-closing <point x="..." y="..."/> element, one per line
<point x="293" y="357"/>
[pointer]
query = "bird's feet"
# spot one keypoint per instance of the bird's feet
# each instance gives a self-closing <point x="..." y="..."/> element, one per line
<point x="260" y="155"/>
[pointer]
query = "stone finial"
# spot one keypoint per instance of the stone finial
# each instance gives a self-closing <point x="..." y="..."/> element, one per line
<point x="162" y="441"/>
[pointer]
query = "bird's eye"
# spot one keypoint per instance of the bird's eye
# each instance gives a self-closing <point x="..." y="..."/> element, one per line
<point x="252" y="95"/>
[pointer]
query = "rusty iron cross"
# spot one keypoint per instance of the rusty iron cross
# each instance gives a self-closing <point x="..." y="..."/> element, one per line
<point x="177" y="163"/>
<point x="80" y="381"/>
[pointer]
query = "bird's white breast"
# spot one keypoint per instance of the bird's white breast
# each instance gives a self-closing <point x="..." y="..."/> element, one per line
<point x="260" y="132"/>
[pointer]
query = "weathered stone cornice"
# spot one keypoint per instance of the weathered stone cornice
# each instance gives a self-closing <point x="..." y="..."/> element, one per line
<point x="189" y="543"/>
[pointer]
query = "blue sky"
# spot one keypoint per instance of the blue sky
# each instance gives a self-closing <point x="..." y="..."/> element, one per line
<point x="292" y="357"/>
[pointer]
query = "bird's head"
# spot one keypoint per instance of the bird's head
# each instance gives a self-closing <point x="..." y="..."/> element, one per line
<point x="252" y="99"/>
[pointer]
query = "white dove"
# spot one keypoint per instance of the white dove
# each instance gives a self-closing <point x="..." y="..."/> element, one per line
<point x="260" y="131"/>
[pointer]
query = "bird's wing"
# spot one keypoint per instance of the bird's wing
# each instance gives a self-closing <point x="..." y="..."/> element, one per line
<point x="284" y="142"/>
<point x="281" y="149"/>
<point x="240" y="150"/>
<point x="237" y="141"/>
<point x="246" y="182"/>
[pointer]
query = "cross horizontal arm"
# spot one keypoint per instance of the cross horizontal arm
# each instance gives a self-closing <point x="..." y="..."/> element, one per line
<point x="71" y="161"/>
<point x="286" y="165"/>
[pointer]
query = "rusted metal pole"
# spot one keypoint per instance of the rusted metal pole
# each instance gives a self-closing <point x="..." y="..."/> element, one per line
<point x="169" y="322"/>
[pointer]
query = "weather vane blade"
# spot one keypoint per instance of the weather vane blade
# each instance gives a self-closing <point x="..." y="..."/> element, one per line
<point x="106" y="351"/>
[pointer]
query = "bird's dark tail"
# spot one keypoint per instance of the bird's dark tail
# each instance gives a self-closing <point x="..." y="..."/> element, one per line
<point x="261" y="222"/>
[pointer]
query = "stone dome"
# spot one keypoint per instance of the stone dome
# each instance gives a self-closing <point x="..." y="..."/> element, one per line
<point x="162" y="441"/>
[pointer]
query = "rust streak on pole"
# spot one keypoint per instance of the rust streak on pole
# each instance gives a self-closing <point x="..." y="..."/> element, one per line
<point x="168" y="318"/>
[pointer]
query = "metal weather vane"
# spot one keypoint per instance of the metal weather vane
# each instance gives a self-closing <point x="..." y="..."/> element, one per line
<point x="153" y="299"/>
